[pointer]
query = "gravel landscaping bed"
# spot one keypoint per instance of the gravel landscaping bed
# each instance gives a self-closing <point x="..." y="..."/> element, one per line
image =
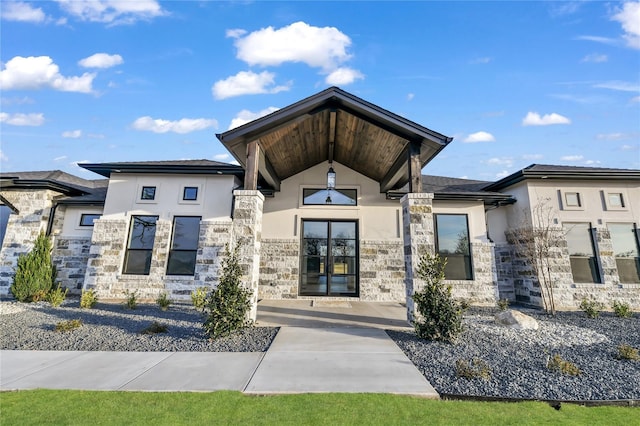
<point x="111" y="327"/>
<point x="517" y="360"/>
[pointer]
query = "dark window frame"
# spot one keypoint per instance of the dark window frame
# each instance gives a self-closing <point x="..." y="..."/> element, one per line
<point x="83" y="216"/>
<point x="173" y="250"/>
<point x="626" y="263"/>
<point x="145" y="196"/>
<point x="127" y="268"/>
<point x="467" y="258"/>
<point x="581" y="258"/>
<point x="184" y="193"/>
<point x="578" y="203"/>
<point x="342" y="191"/>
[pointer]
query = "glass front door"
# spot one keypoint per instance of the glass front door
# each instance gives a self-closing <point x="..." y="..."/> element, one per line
<point x="329" y="258"/>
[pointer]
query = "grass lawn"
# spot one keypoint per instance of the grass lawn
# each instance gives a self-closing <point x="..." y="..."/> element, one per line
<point x="41" y="407"/>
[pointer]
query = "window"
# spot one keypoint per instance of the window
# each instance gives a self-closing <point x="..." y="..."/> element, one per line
<point x="190" y="193"/>
<point x="615" y="199"/>
<point x="334" y="197"/>
<point x="584" y="264"/>
<point x="87" y="219"/>
<point x="148" y="193"/>
<point x="184" y="245"/>
<point x="625" y="248"/>
<point x="572" y="199"/>
<point x="141" y="237"/>
<point x="452" y="243"/>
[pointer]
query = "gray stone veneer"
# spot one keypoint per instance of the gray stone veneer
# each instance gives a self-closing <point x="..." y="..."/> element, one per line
<point x="567" y="294"/>
<point x="70" y="255"/>
<point x="247" y="231"/>
<point x="382" y="271"/>
<point x="417" y="219"/>
<point x="482" y="290"/>
<point x="33" y="207"/>
<point x="279" y="269"/>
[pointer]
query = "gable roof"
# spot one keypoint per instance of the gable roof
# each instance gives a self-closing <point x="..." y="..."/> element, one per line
<point x="334" y="125"/>
<point x="165" y="167"/>
<point x="547" y="171"/>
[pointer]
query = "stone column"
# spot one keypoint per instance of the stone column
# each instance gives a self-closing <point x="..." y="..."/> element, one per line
<point x="417" y="219"/>
<point x="247" y="231"/>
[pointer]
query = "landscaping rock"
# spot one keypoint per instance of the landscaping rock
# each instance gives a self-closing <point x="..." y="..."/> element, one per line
<point x="516" y="320"/>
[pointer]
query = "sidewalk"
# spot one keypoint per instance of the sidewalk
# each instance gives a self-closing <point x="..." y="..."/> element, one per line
<point x="300" y="360"/>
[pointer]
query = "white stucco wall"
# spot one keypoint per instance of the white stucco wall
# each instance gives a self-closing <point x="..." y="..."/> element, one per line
<point x="71" y="225"/>
<point x="379" y="218"/>
<point x="214" y="196"/>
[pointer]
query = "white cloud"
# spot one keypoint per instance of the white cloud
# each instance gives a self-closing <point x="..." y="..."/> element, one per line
<point x="245" y="116"/>
<point x="185" y="125"/>
<point x="410" y="96"/>
<point x="235" y="33"/>
<point x="479" y="137"/>
<point x="591" y="162"/>
<point x="101" y="60"/>
<point x="22" y="12"/>
<point x="62" y="157"/>
<point x="629" y="17"/>
<point x="246" y="83"/>
<point x="616" y="136"/>
<point x="534" y="119"/>
<point x="18" y="119"/>
<point x="635" y="99"/>
<point x="482" y="60"/>
<point x="113" y="12"/>
<point x="500" y="161"/>
<point x="623" y="86"/>
<point x="532" y="157"/>
<point x="502" y="174"/>
<point x="630" y="147"/>
<point x="73" y="134"/>
<point x="572" y="158"/>
<point x="598" y="39"/>
<point x="40" y="72"/>
<point x="220" y="157"/>
<point x="595" y="57"/>
<point x="3" y="157"/>
<point x="343" y="76"/>
<point x="317" y="47"/>
<point x="17" y="101"/>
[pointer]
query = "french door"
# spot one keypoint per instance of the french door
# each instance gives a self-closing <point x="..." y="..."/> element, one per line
<point x="329" y="259"/>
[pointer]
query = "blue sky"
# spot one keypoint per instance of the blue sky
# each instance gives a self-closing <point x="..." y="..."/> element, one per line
<point x="514" y="83"/>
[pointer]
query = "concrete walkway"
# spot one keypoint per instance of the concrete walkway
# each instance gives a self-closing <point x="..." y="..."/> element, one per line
<point x="328" y="354"/>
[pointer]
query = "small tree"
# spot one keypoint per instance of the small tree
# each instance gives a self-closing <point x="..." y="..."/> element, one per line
<point x="440" y="316"/>
<point x="35" y="274"/>
<point x="227" y="306"/>
<point x="534" y="241"/>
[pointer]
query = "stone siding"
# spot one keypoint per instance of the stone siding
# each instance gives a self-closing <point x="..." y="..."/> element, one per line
<point x="417" y="220"/>
<point x="70" y="255"/>
<point x="482" y="290"/>
<point x="279" y="269"/>
<point x="567" y="294"/>
<point x="247" y="231"/>
<point x="382" y="271"/>
<point x="34" y="207"/>
<point x="503" y="260"/>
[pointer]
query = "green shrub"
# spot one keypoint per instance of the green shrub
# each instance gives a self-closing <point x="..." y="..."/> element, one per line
<point x="622" y="310"/>
<point x="88" y="299"/>
<point x="68" y="325"/>
<point x="199" y="298"/>
<point x="228" y="305"/>
<point x="56" y="296"/>
<point x="628" y="352"/>
<point x="131" y="301"/>
<point x="440" y="316"/>
<point x="155" y="328"/>
<point x="591" y="308"/>
<point x="556" y="363"/>
<point x="163" y="301"/>
<point x="476" y="369"/>
<point x="35" y="273"/>
<point x="503" y="304"/>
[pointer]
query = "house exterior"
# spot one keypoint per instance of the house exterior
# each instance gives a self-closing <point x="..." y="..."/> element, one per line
<point x="328" y="201"/>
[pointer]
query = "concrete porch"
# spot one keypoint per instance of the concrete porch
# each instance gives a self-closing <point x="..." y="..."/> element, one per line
<point x="324" y="313"/>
